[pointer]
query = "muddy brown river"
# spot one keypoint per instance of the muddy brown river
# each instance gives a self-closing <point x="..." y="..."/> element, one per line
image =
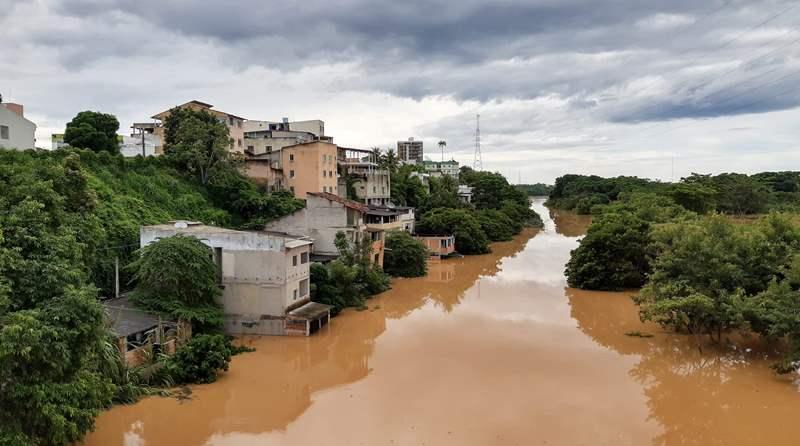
<point x="486" y="350"/>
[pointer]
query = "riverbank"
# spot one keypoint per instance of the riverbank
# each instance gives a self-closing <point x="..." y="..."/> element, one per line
<point x="484" y="350"/>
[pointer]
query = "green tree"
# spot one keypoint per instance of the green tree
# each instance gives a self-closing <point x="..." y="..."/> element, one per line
<point x="497" y="225"/>
<point x="197" y="142"/>
<point x="470" y="238"/>
<point x="695" y="197"/>
<point x="177" y="276"/>
<point x="405" y="256"/>
<point x="94" y="131"/>
<point x="612" y="255"/>
<point x="200" y="360"/>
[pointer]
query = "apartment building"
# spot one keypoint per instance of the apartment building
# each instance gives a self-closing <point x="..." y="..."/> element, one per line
<point x="324" y="216"/>
<point x="410" y="151"/>
<point x="234" y="123"/>
<point x="368" y="182"/>
<point x="16" y="131"/>
<point x="438" y="169"/>
<point x="394" y="218"/>
<point x="265" y="278"/>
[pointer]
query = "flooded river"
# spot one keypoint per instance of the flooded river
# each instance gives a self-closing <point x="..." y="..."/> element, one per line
<point x="486" y="350"/>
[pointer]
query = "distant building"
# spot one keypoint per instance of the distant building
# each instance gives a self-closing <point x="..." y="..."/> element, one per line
<point x="410" y="151"/>
<point x="265" y="278"/>
<point x="370" y="184"/>
<point x="438" y="169"/>
<point x="57" y="141"/>
<point x="465" y="193"/>
<point x="234" y="123"/>
<point x="16" y="131"/>
<point x="324" y="216"/>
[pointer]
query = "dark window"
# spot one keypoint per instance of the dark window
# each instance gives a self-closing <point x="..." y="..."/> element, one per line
<point x="304" y="258"/>
<point x="4" y="132"/>
<point x="240" y="142"/>
<point x="291" y="174"/>
<point x="291" y="157"/>
<point x="294" y="260"/>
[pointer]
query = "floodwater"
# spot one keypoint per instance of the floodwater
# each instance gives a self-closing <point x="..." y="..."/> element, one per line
<point x="486" y="350"/>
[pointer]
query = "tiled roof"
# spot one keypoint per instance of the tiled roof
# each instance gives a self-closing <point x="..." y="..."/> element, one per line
<point x="361" y="207"/>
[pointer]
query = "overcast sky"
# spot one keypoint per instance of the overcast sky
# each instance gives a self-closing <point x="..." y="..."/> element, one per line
<point x="610" y="87"/>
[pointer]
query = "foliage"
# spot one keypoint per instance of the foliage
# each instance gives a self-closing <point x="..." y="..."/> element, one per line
<point x="612" y="255"/>
<point x="200" y="360"/>
<point x="536" y="190"/>
<point x="177" y="276"/>
<point x="470" y="238"/>
<point x="582" y="193"/>
<point x="405" y="256"/>
<point x="496" y="225"/>
<point x="406" y="189"/>
<point x="94" y="131"/>
<point x="197" y="142"/>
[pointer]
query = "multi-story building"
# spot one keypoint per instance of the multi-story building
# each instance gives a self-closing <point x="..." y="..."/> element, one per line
<point x="394" y="218"/>
<point x="325" y="215"/>
<point x="410" y="151"/>
<point x="262" y="137"/>
<point x="16" y="131"/>
<point x="438" y="169"/>
<point x="234" y="123"/>
<point x="361" y="174"/>
<point x="265" y="278"/>
<point x="300" y="168"/>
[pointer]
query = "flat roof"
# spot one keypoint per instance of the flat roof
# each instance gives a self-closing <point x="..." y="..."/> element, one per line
<point x="311" y="311"/>
<point x="344" y="201"/>
<point x="126" y="319"/>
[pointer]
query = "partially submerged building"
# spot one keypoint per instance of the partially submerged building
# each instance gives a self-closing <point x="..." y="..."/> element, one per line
<point x="326" y="214"/>
<point x="141" y="334"/>
<point x="264" y="276"/>
<point x="439" y="246"/>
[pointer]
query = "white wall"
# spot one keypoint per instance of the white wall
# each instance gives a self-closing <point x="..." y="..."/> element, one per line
<point x="21" y="131"/>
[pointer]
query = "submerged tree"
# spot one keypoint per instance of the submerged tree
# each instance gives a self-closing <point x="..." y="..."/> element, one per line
<point x="405" y="256"/>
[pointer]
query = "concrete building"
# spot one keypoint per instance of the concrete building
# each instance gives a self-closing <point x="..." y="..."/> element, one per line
<point x="234" y="123"/>
<point x="465" y="193"/>
<point x="265" y="278"/>
<point x="263" y="137"/>
<point x="370" y="184"/>
<point x="439" y="169"/>
<point x="16" y="132"/>
<point x="439" y="245"/>
<point x="324" y="216"/>
<point x="410" y="151"/>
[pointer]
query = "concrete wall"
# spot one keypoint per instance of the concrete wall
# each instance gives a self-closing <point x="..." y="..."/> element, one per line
<point x="260" y="171"/>
<point x="310" y="168"/>
<point x="374" y="188"/>
<point x="262" y="145"/>
<point x="21" y="132"/>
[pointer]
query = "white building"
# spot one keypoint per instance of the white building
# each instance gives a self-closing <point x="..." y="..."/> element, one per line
<point x="265" y="137"/>
<point x="265" y="278"/>
<point x="16" y="132"/>
<point x="141" y="144"/>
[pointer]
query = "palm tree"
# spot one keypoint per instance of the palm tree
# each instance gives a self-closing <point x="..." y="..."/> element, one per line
<point x="442" y="145"/>
<point x="389" y="160"/>
<point x="376" y="154"/>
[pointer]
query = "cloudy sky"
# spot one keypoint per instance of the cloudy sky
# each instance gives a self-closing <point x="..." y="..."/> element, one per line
<point x="654" y="88"/>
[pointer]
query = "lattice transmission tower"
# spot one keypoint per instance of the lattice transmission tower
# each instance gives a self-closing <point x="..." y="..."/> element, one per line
<point x="477" y="164"/>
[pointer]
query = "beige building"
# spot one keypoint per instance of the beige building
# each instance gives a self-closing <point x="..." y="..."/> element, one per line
<point x="234" y="123"/>
<point x="16" y="131"/>
<point x="264" y="137"/>
<point x="324" y="216"/>
<point x="265" y="278"/>
<point x="410" y="152"/>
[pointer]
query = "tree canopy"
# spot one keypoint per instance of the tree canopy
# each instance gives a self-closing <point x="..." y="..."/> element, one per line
<point x="94" y="131"/>
<point x="405" y="256"/>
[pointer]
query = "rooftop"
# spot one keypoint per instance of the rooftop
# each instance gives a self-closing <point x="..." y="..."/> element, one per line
<point x="126" y="319"/>
<point x="311" y="311"/>
<point x="341" y="200"/>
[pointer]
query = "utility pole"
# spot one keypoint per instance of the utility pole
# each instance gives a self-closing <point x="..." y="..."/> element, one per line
<point x="116" y="276"/>
<point x="477" y="164"/>
<point x="442" y="145"/>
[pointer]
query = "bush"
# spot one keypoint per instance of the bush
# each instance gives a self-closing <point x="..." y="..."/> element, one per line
<point x="497" y="225"/>
<point x="405" y="256"/>
<point x="200" y="360"/>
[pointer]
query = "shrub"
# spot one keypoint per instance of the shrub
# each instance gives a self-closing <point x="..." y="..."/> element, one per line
<point x="200" y="360"/>
<point x="470" y="238"/>
<point x="405" y="256"/>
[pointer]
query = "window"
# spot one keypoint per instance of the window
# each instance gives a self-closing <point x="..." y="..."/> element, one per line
<point x="377" y="258"/>
<point x="240" y="142"/>
<point x="239" y="123"/>
<point x="269" y="149"/>
<point x="291" y="174"/>
<point x="324" y="173"/>
<point x="304" y="288"/>
<point x="291" y="157"/>
<point x="291" y="189"/>
<point x="4" y="132"/>
<point x="251" y="148"/>
<point x="374" y="189"/>
<point x="230" y="120"/>
<point x="294" y="260"/>
<point x="304" y="258"/>
<point x="295" y="294"/>
<point x="330" y="173"/>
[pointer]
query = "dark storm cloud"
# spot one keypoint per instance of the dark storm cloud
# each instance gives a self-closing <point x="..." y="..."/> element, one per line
<point x="625" y="60"/>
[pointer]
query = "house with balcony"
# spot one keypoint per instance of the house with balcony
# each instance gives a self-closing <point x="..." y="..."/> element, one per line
<point x="264" y="276"/>
<point x="361" y="178"/>
<point x="394" y="218"/>
<point x="325" y="215"/>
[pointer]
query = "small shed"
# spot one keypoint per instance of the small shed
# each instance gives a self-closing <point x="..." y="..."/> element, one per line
<point x="307" y="319"/>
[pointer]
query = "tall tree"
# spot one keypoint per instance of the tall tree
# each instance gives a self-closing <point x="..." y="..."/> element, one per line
<point x="93" y="130"/>
<point x="196" y="141"/>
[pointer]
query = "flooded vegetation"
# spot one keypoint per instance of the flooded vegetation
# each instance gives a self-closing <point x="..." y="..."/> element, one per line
<point x="491" y="349"/>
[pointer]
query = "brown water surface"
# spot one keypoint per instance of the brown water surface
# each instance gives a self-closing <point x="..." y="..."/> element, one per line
<point x="485" y="350"/>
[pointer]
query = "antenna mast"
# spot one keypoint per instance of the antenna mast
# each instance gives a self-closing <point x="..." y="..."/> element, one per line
<point x="477" y="164"/>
